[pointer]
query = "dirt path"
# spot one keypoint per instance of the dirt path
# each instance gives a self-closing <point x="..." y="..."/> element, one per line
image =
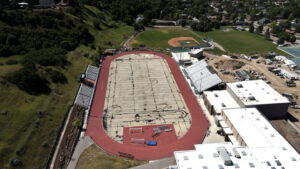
<point x="175" y="41"/>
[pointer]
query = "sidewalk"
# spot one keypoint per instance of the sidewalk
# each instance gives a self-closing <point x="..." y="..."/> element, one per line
<point x="157" y="164"/>
<point x="211" y="136"/>
<point x="83" y="144"/>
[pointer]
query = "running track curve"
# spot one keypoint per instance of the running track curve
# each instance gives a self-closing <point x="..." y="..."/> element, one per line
<point x="95" y="128"/>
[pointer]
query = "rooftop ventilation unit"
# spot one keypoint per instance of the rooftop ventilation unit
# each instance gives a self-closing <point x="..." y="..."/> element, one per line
<point x="239" y="86"/>
<point x="224" y="156"/>
<point x="236" y="153"/>
<point x="251" y="98"/>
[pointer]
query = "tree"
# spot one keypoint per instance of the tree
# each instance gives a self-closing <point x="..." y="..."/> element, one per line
<point x="251" y="28"/>
<point x="298" y="28"/>
<point x="28" y="80"/>
<point x="293" y="39"/>
<point x="138" y="26"/>
<point x="4" y="3"/>
<point x="267" y="34"/>
<point x="183" y="23"/>
<point x="275" y="30"/>
<point x="280" y="41"/>
<point x="259" y="29"/>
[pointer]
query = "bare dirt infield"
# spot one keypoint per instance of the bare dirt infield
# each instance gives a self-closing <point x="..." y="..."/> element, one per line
<point x="175" y="41"/>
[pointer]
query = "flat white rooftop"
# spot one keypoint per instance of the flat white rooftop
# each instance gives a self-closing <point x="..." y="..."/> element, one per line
<point x="181" y="56"/>
<point x="260" y="136"/>
<point x="256" y="92"/>
<point x="220" y="99"/>
<point x="206" y="156"/>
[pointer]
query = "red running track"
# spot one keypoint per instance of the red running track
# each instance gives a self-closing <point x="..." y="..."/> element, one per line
<point x="194" y="136"/>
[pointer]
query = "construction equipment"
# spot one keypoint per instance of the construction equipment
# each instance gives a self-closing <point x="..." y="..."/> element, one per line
<point x="290" y="83"/>
<point x="156" y="133"/>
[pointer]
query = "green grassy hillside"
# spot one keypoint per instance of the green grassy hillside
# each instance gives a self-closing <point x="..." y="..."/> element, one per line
<point x="29" y="123"/>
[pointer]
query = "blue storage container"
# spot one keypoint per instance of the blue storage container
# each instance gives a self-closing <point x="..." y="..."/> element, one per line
<point x="151" y="143"/>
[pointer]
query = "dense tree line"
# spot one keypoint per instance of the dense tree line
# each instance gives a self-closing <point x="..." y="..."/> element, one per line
<point x="44" y="38"/>
<point x="205" y="25"/>
<point x="23" y="31"/>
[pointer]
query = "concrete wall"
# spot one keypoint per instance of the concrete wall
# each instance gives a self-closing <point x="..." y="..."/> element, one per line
<point x="274" y="111"/>
<point x="239" y="102"/>
<point x="235" y="133"/>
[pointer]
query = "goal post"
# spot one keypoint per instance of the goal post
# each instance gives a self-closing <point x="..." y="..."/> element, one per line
<point x="137" y="140"/>
<point x="138" y="130"/>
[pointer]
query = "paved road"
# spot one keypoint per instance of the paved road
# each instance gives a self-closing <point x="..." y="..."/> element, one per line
<point x="158" y="164"/>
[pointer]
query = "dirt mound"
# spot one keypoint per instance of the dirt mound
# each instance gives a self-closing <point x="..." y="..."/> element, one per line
<point x="175" y="41"/>
<point x="231" y="64"/>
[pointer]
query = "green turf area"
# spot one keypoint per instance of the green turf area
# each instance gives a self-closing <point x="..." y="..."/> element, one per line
<point x="111" y="34"/>
<point x="93" y="158"/>
<point x="113" y="37"/>
<point x="215" y="51"/>
<point x="159" y="38"/>
<point x="241" y="42"/>
<point x="25" y="134"/>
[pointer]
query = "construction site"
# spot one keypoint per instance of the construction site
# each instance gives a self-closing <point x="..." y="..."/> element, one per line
<point x="227" y="68"/>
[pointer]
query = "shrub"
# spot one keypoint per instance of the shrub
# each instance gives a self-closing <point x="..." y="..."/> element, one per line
<point x="237" y="67"/>
<point x="11" y="62"/>
<point x="15" y="162"/>
<point x="47" y="57"/>
<point x="5" y="51"/>
<point x="57" y="77"/>
<point x="28" y="80"/>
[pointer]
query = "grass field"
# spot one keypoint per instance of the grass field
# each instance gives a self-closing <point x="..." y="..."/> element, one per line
<point x="241" y="42"/>
<point x="113" y="37"/>
<point x="94" y="158"/>
<point x="112" y="34"/>
<point x="159" y="38"/>
<point x="25" y="134"/>
<point x="233" y="41"/>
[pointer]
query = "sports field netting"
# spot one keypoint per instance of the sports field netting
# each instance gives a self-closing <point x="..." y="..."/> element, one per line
<point x="292" y="51"/>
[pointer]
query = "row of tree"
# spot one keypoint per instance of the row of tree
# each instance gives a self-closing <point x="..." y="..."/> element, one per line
<point x="22" y="31"/>
<point x="276" y="31"/>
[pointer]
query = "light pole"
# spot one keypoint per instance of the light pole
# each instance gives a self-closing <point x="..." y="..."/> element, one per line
<point x="200" y="82"/>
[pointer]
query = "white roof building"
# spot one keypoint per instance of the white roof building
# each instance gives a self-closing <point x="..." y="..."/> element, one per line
<point x="181" y="56"/>
<point x="254" y="131"/>
<point x="257" y="93"/>
<point x="261" y="146"/>
<point x="209" y="156"/>
<point x="202" y="76"/>
<point x="220" y="99"/>
<point x="196" y="51"/>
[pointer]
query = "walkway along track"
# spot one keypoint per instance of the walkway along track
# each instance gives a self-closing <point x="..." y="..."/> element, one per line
<point x="95" y="128"/>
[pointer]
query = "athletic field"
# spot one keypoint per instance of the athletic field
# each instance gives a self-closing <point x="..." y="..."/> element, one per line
<point x="144" y="90"/>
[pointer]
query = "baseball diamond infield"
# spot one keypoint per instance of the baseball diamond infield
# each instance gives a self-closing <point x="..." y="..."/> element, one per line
<point x="139" y="82"/>
<point x="175" y="42"/>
